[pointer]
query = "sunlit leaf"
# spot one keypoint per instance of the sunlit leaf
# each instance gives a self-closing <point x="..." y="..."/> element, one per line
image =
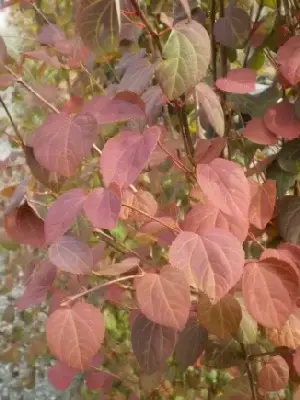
<point x="240" y="80"/>
<point x="289" y="334"/>
<point x="247" y="332"/>
<point x="186" y="56"/>
<point x="75" y="334"/>
<point x="282" y="120"/>
<point x="263" y="199"/>
<point x="209" y="149"/>
<point x="257" y="132"/>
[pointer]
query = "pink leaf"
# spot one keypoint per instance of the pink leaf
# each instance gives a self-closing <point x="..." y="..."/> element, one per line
<point x="42" y="55"/>
<point x="281" y="119"/>
<point x="125" y="155"/>
<point x="102" y="207"/>
<point x="270" y="289"/>
<point x="206" y="216"/>
<point x="37" y="288"/>
<point x="99" y="380"/>
<point x="263" y="199"/>
<point x="50" y="34"/>
<point x="62" y="213"/>
<point x="69" y="254"/>
<point x="107" y="110"/>
<point x="209" y="149"/>
<point x="257" y="132"/>
<point x="212" y="262"/>
<point x="240" y="80"/>
<point x="224" y="184"/>
<point x="98" y="252"/>
<point x="60" y="375"/>
<point x="165" y="298"/>
<point x="274" y="374"/>
<point x="61" y="142"/>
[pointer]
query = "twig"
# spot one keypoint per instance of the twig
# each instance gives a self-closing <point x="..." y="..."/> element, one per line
<point x="142" y="16"/>
<point x="12" y="121"/>
<point x="185" y="130"/>
<point x="102" y="285"/>
<point x="174" y="159"/>
<point x="249" y="372"/>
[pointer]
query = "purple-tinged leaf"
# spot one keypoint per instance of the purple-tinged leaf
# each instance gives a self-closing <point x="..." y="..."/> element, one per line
<point x="152" y="343"/>
<point x="125" y="155"/>
<point x="69" y="254"/>
<point x="98" y="252"/>
<point x="50" y="34"/>
<point x="61" y="142"/>
<point x="137" y="76"/>
<point x="154" y="100"/>
<point x="60" y="375"/>
<point x="62" y="213"/>
<point x="37" y="288"/>
<point x="102" y="207"/>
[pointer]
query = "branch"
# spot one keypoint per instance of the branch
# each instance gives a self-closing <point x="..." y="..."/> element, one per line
<point x="185" y="130"/>
<point x="249" y="372"/>
<point x="143" y="17"/>
<point x="12" y="121"/>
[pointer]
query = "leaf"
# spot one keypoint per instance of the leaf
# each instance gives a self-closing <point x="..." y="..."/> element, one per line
<point x="6" y="80"/>
<point x="212" y="262"/>
<point x="50" y="179"/>
<point x="288" y="58"/>
<point x="99" y="380"/>
<point x="223" y="354"/>
<point x="75" y="334"/>
<point x="240" y="80"/>
<point x="25" y="227"/>
<point x="137" y="76"/>
<point x="44" y="56"/>
<point x="205" y="216"/>
<point x="37" y="288"/>
<point x="61" y="142"/>
<point x="289" y="156"/>
<point x="288" y="218"/>
<point x="270" y="289"/>
<point x="164" y="298"/>
<point x="154" y="101"/>
<point x="62" y="213"/>
<point x="257" y="132"/>
<point x="224" y="184"/>
<point x="61" y="375"/>
<point x="186" y="56"/>
<point x="212" y="107"/>
<point x="3" y="51"/>
<point x="221" y="319"/>
<point x="152" y="343"/>
<point x="50" y="34"/>
<point x="284" y="180"/>
<point x="123" y="107"/>
<point x="191" y="343"/>
<point x="263" y="199"/>
<point x="274" y="375"/>
<point x="281" y="119"/>
<point x="209" y="149"/>
<point x="98" y="252"/>
<point x="125" y="155"/>
<point x="289" y="334"/>
<point x="247" y="332"/>
<point x="69" y="254"/>
<point x="234" y="28"/>
<point x="99" y="25"/>
<point x="102" y="207"/>
<point x="17" y="197"/>
<point x="123" y="267"/>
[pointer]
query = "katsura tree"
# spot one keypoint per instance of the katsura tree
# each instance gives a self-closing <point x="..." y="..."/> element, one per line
<point x="156" y="184"/>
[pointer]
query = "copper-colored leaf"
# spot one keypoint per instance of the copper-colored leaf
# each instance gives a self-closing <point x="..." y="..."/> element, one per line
<point x="263" y="199"/>
<point x="289" y="334"/>
<point x="75" y="334"/>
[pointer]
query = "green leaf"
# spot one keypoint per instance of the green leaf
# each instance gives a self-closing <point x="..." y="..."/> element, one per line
<point x="269" y="3"/>
<point x="98" y="23"/>
<point x="284" y="180"/>
<point x="247" y="332"/>
<point x="186" y="57"/>
<point x="257" y="61"/>
<point x="289" y="156"/>
<point x="289" y="219"/>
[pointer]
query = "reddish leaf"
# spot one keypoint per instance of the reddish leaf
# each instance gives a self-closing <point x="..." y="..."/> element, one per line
<point x="50" y="34"/>
<point x="75" y="334"/>
<point x="17" y="197"/>
<point x="61" y="142"/>
<point x="289" y="334"/>
<point x="121" y="108"/>
<point x="137" y="76"/>
<point x="116" y="269"/>
<point x="212" y="262"/>
<point x="240" y="80"/>
<point x="99" y="380"/>
<point x="125" y="155"/>
<point x="281" y="119"/>
<point x="42" y="55"/>
<point x="98" y="252"/>
<point x="206" y="216"/>
<point x="62" y="213"/>
<point x="274" y="375"/>
<point x="191" y="343"/>
<point x="37" y="288"/>
<point x="69" y="254"/>
<point x="263" y="199"/>
<point x="60" y="375"/>
<point x="289" y="59"/>
<point x="152" y="343"/>
<point x="73" y="105"/>
<point x="270" y="289"/>
<point x="224" y="184"/>
<point x="257" y="132"/>
<point x="25" y="227"/>
<point x="234" y="28"/>
<point x="6" y="80"/>
<point x="207" y="150"/>
<point x="212" y="107"/>
<point x="164" y="298"/>
<point x="102" y="207"/>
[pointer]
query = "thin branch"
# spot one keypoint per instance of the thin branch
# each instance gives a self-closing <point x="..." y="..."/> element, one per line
<point x="143" y="17"/>
<point x="15" y="128"/>
<point x="177" y="162"/>
<point x="185" y="131"/>
<point x="249" y="372"/>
